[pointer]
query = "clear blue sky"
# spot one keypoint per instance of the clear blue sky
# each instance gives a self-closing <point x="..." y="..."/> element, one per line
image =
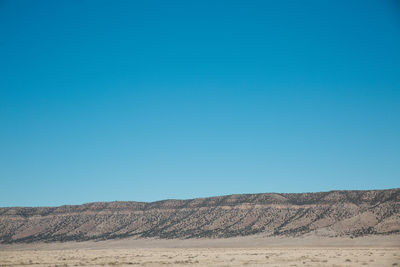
<point x="148" y="100"/>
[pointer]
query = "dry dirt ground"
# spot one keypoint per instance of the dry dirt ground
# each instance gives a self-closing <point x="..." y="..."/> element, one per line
<point x="245" y="251"/>
<point x="206" y="257"/>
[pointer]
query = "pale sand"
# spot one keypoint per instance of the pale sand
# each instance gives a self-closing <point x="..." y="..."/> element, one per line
<point x="242" y="251"/>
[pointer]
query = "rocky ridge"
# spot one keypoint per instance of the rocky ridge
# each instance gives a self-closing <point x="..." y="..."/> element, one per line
<point x="334" y="213"/>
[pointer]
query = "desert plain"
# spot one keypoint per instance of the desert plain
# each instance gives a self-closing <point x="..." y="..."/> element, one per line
<point x="238" y="251"/>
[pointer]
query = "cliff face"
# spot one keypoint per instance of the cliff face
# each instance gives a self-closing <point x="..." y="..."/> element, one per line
<point x="352" y="213"/>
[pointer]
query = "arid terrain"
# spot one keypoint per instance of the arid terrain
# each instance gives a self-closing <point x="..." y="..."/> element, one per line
<point x="240" y="251"/>
<point x="337" y="228"/>
<point x="335" y="213"/>
<point x="206" y="257"/>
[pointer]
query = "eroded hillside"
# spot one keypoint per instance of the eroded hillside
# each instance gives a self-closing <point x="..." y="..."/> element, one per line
<point x="352" y="213"/>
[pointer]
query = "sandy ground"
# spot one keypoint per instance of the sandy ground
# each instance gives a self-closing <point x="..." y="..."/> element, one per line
<point x="206" y="257"/>
<point x="243" y="251"/>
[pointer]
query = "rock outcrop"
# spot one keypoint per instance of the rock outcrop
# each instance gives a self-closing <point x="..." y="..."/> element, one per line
<point x="334" y="213"/>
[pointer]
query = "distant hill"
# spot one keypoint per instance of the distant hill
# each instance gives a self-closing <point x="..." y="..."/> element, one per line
<point x="334" y="213"/>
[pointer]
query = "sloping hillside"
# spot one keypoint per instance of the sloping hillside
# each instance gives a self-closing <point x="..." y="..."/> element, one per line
<point x="334" y="213"/>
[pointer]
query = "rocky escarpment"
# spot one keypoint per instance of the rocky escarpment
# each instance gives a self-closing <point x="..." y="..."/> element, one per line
<point x="334" y="213"/>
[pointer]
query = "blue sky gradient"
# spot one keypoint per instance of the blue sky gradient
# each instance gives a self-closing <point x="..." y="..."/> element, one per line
<point x="148" y="100"/>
